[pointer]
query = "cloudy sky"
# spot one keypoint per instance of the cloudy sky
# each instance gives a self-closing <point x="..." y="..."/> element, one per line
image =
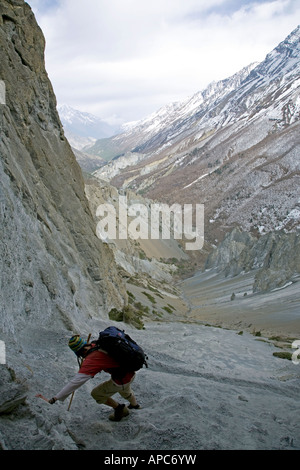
<point x="124" y="59"/>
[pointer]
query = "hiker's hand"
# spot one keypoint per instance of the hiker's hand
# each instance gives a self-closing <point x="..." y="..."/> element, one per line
<point x="51" y="401"/>
<point x="38" y="395"/>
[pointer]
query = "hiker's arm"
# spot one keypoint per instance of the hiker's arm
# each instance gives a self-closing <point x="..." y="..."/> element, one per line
<point x="78" y="380"/>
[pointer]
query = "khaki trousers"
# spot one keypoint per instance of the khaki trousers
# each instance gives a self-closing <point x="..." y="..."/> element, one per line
<point x="109" y="388"/>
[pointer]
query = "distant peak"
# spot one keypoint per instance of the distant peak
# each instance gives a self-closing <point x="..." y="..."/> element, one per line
<point x="291" y="40"/>
<point x="295" y="35"/>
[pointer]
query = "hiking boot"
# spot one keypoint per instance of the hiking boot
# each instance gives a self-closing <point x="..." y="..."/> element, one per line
<point x="120" y="412"/>
<point x="136" y="407"/>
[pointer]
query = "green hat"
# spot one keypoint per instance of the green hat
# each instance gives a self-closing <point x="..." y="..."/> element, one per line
<point x="76" y="343"/>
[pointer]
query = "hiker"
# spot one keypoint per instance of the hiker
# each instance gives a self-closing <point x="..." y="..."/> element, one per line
<point x="95" y="360"/>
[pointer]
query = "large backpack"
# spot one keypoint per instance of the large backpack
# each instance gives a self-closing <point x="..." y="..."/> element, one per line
<point x="122" y="348"/>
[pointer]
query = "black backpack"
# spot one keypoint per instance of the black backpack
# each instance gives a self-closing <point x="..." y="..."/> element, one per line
<point x="122" y="348"/>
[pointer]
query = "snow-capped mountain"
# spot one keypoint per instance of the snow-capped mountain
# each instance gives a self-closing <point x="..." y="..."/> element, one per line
<point x="221" y="103"/>
<point x="168" y="122"/>
<point x="234" y="146"/>
<point x="83" y="129"/>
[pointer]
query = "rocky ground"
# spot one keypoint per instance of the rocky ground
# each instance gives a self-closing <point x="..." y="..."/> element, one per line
<point x="205" y="388"/>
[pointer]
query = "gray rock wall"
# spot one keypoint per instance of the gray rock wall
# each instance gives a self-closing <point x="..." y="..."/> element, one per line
<point x="54" y="269"/>
<point x="275" y="256"/>
<point x="281" y="263"/>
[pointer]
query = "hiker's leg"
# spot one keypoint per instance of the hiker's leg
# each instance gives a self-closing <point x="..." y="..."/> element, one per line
<point x="103" y="394"/>
<point x="111" y="402"/>
<point x="132" y="400"/>
<point x="127" y="393"/>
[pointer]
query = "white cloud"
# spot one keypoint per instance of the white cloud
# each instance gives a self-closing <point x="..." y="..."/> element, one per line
<point x="129" y="57"/>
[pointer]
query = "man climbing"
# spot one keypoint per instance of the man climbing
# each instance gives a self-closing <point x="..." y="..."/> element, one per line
<point x="94" y="361"/>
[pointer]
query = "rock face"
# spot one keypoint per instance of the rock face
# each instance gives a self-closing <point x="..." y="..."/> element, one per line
<point x="12" y="394"/>
<point x="135" y="257"/>
<point x="275" y="256"/>
<point x="54" y="269"/>
<point x="281" y="264"/>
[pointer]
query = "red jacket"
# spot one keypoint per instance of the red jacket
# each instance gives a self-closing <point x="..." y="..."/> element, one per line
<point x="97" y="361"/>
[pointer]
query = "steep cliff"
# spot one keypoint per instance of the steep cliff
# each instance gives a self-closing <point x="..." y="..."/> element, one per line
<point x="275" y="257"/>
<point x="54" y="269"/>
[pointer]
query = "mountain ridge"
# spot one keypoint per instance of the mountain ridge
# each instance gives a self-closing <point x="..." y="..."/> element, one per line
<point x="83" y="129"/>
<point x="236" y="152"/>
<point x="243" y="77"/>
<point x="167" y="115"/>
